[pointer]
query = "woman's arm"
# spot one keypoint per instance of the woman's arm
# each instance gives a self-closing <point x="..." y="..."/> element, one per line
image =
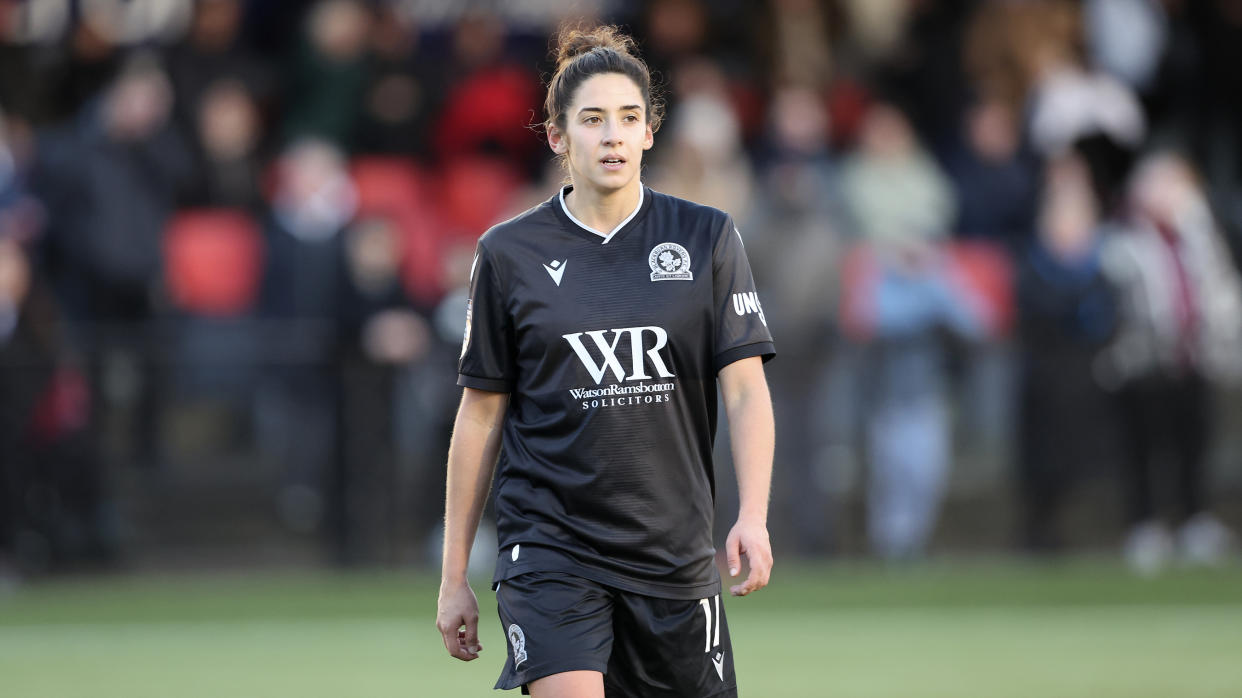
<point x="752" y="435"/>
<point x="471" y="463"/>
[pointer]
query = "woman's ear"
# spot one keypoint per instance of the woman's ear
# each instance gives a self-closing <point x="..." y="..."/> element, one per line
<point x="557" y="141"/>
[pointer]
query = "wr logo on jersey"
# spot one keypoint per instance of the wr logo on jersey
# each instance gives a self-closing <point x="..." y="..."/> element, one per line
<point x="607" y="348"/>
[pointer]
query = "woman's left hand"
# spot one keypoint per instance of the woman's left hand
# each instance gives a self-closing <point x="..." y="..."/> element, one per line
<point x="749" y="538"/>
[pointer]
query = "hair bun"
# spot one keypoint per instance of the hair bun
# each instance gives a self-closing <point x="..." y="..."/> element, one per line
<point x="575" y="41"/>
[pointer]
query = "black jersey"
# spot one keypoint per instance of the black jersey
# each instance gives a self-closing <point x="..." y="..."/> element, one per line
<point x="609" y="347"/>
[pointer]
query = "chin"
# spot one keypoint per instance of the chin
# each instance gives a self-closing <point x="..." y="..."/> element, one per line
<point x="614" y="182"/>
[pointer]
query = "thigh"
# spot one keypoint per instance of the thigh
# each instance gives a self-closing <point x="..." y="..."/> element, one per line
<point x="667" y="648"/>
<point x="553" y="623"/>
<point x="568" y="684"/>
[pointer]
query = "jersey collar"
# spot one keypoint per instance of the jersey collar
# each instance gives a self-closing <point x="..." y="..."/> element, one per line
<point x="605" y="238"/>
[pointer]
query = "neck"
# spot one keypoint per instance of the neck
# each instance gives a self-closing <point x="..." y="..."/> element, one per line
<point x="603" y="211"/>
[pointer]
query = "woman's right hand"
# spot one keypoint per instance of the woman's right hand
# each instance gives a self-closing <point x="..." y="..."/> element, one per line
<point x="457" y="618"/>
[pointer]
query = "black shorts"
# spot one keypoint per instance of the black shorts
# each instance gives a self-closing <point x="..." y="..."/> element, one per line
<point x="644" y="646"/>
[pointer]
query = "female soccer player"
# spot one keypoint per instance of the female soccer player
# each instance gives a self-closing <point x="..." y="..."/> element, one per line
<point x="597" y="327"/>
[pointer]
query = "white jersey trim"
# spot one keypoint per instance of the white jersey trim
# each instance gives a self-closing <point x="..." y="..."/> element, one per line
<point x="607" y="236"/>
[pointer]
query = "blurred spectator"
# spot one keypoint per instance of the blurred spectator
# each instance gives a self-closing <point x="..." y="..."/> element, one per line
<point x="377" y="313"/>
<point x="902" y="206"/>
<point x="303" y="294"/>
<point x="1180" y="335"/>
<point x="383" y="336"/>
<point x="212" y="54"/>
<point x="1073" y="105"/>
<point x="995" y="179"/>
<point x="1067" y="313"/>
<point x="703" y="160"/>
<point x="490" y="100"/>
<point x="325" y="89"/>
<point x="794" y="237"/>
<point x="228" y="135"/>
<point x="108" y="181"/>
<point x="895" y="310"/>
<point x="897" y="195"/>
<point x="798" y="221"/>
<point x="398" y="103"/>
<point x="53" y="510"/>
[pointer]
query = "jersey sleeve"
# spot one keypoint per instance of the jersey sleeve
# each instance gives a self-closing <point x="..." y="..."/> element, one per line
<point x="741" y="327"/>
<point x="487" y="348"/>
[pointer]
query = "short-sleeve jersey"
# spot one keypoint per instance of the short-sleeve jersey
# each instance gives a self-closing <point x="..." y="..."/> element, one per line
<point x="609" y="348"/>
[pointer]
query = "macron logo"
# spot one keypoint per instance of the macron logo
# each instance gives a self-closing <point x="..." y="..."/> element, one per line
<point x="556" y="270"/>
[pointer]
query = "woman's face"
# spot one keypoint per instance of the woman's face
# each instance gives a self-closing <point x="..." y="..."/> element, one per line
<point x="606" y="131"/>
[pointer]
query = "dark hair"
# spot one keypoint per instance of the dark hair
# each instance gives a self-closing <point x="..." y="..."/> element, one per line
<point x="583" y="53"/>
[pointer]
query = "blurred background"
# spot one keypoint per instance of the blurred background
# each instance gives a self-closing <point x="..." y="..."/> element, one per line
<point x="996" y="242"/>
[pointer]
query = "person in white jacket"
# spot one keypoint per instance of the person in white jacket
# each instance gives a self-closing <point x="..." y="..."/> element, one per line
<point x="1179" y="335"/>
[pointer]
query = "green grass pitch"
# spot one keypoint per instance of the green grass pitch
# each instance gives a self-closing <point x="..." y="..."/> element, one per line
<point x="959" y="630"/>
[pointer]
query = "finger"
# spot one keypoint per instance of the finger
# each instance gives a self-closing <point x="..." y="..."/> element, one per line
<point x="471" y="636"/>
<point x="758" y="578"/>
<point x="733" y="554"/>
<point x="449" y="633"/>
<point x="461" y="649"/>
<point x="760" y="572"/>
<point x="747" y="585"/>
<point x="466" y="641"/>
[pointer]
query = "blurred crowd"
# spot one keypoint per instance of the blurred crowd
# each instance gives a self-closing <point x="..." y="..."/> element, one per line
<point x="1008" y="225"/>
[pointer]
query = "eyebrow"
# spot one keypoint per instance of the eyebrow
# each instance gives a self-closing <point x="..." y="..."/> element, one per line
<point x="627" y="107"/>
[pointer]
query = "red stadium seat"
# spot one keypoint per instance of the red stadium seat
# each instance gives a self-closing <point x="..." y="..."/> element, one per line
<point x="475" y="192"/>
<point x="421" y="256"/>
<point x="213" y="261"/>
<point x="386" y="184"/>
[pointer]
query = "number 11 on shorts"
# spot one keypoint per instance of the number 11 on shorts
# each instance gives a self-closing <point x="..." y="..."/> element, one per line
<point x="711" y="630"/>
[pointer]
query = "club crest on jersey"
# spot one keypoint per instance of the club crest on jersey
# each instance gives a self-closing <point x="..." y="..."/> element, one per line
<point x="517" y="638"/>
<point x="670" y="262"/>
